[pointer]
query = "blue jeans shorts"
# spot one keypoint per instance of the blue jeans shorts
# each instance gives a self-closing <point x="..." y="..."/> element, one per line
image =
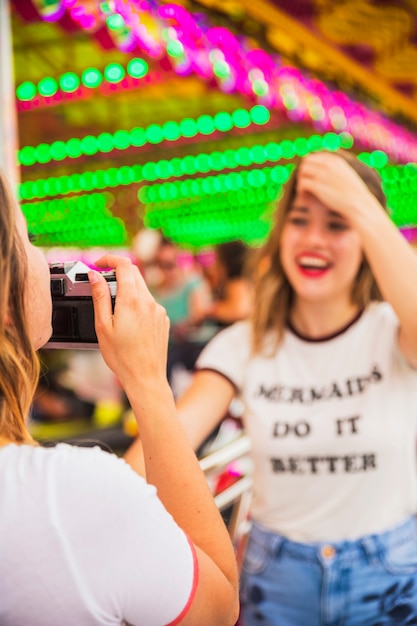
<point x="368" y="582"/>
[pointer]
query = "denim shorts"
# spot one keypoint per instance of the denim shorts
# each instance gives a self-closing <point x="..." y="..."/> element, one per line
<point x="368" y="582"/>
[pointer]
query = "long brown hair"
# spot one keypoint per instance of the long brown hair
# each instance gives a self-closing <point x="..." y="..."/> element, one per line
<point x="19" y="364"/>
<point x="273" y="293"/>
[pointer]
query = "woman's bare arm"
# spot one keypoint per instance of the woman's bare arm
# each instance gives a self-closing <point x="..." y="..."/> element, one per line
<point x="133" y="342"/>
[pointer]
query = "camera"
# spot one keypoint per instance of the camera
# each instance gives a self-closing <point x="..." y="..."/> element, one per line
<point x="72" y="305"/>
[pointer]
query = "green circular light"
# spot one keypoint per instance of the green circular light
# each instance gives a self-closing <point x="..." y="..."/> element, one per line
<point x="243" y="156"/>
<point x="389" y="173"/>
<point x="290" y="101"/>
<point x="273" y="151"/>
<point x="39" y="188"/>
<point x="47" y="86"/>
<point x="74" y="149"/>
<point x="221" y="69"/>
<point x="188" y="127"/>
<point x="188" y="165"/>
<point x="69" y="82"/>
<point x="91" y="78"/>
<point x="149" y="171"/>
<point x="301" y="146"/>
<point x="241" y="118"/>
<point x="111" y="176"/>
<point x="154" y="133"/>
<point x="145" y="192"/>
<point x="137" y="68"/>
<point x="105" y="142"/>
<point x="378" y="159"/>
<point x="50" y="186"/>
<point x="217" y="161"/>
<point x="258" y="154"/>
<point x="74" y="182"/>
<point x="256" y="178"/>
<point x="26" y="91"/>
<point x="63" y="184"/>
<point x="137" y="137"/>
<point x="331" y="141"/>
<point x="223" y="121"/>
<point x="175" y="48"/>
<point x="230" y="158"/>
<point x="87" y="181"/>
<point x="26" y="190"/>
<point x="165" y="169"/>
<point x="176" y="165"/>
<point x="101" y="181"/>
<point x="58" y="150"/>
<point x="115" y="21"/>
<point x="314" y="142"/>
<point x="234" y="181"/>
<point x="260" y="87"/>
<point x="279" y="174"/>
<point x="205" y="124"/>
<point x="346" y="140"/>
<point x="207" y="185"/>
<point x="114" y="73"/>
<point x="42" y="152"/>
<point x="203" y="162"/>
<point x="27" y="155"/>
<point x="121" y="139"/>
<point x="171" y="131"/>
<point x="89" y="145"/>
<point x="125" y="175"/>
<point x="287" y="148"/>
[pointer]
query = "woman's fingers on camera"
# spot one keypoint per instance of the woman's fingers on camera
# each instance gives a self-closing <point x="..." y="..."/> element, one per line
<point x="134" y="303"/>
<point x="128" y="276"/>
<point x="101" y="296"/>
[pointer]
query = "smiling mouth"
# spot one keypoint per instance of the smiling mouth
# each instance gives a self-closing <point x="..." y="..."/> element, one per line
<point x="313" y="266"/>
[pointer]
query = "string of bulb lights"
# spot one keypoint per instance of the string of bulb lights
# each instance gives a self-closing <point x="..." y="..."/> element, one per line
<point x="197" y="210"/>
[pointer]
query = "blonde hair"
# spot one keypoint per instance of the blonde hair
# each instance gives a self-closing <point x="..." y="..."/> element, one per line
<point x="19" y="364"/>
<point x="272" y="291"/>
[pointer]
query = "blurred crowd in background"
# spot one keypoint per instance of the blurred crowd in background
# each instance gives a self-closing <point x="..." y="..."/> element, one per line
<point x="202" y="293"/>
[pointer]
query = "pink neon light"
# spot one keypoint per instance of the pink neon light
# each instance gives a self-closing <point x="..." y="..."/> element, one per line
<point x="369" y="128"/>
<point x="133" y="14"/>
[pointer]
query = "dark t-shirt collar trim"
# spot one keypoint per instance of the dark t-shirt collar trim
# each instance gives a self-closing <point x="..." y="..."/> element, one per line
<point x="325" y="337"/>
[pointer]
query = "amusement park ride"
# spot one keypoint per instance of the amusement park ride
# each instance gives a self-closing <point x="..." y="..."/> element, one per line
<point x="187" y="116"/>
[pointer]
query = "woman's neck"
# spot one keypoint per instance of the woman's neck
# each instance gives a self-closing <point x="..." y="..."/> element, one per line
<point x="321" y="320"/>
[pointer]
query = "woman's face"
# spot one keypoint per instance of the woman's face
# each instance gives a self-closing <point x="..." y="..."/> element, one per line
<point x="38" y="296"/>
<point x="320" y="253"/>
<point x="167" y="264"/>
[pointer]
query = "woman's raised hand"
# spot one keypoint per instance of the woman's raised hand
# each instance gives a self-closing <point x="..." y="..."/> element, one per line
<point x="331" y="179"/>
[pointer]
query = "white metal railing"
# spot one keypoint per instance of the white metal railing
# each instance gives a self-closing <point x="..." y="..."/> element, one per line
<point x="238" y="494"/>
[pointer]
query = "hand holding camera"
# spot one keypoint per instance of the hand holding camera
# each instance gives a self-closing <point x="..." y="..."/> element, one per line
<point x="72" y="305"/>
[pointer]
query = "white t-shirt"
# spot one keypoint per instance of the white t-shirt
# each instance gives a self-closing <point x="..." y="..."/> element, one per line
<point x="333" y="426"/>
<point x="84" y="541"/>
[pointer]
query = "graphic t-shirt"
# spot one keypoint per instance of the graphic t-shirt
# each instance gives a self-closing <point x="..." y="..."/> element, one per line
<point x="84" y="541"/>
<point x="333" y="427"/>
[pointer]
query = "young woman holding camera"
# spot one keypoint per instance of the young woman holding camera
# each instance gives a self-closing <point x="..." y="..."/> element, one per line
<point x="84" y="540"/>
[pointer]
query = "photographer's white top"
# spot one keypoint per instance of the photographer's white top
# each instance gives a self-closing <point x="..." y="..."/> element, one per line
<point x="333" y="426"/>
<point x="84" y="541"/>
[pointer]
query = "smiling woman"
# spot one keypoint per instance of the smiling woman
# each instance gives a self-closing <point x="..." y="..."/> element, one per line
<point x="304" y="221"/>
<point x="326" y="368"/>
